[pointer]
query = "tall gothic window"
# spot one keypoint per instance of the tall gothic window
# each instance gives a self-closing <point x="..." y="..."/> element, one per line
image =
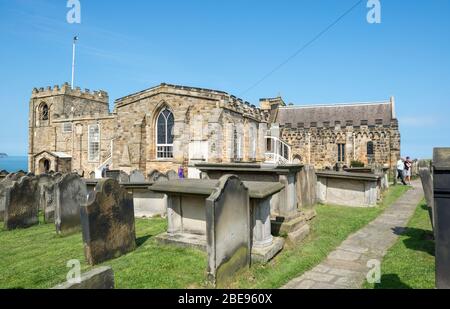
<point x="164" y="134"/>
<point x="44" y="112"/>
<point x="94" y="143"/>
<point x="341" y="152"/>
<point x="370" y="151"/>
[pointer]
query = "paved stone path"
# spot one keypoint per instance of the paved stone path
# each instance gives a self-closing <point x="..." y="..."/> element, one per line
<point x="346" y="267"/>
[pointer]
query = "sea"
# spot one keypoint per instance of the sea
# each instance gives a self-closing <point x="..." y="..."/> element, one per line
<point x="14" y="164"/>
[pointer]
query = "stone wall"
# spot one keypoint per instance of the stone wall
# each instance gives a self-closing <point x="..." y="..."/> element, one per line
<point x="319" y="145"/>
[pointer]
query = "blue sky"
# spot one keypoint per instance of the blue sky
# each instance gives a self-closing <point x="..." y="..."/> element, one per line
<point x="127" y="46"/>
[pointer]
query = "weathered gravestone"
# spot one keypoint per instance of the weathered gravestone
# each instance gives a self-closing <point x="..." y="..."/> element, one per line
<point x="441" y="193"/>
<point x="427" y="184"/>
<point x="228" y="229"/>
<point x="172" y="175"/>
<point x="3" y="174"/>
<point x="47" y="195"/>
<point x="156" y="176"/>
<point x="71" y="193"/>
<point x="307" y="187"/>
<point x="120" y="176"/>
<point x="22" y="204"/>
<point x="15" y="176"/>
<point x="108" y="222"/>
<point x="4" y="185"/>
<point x="137" y="176"/>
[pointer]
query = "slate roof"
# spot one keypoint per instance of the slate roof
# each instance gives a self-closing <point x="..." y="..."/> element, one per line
<point x="355" y="114"/>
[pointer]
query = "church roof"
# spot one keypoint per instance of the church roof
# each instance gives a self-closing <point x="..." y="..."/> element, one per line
<point x="355" y="114"/>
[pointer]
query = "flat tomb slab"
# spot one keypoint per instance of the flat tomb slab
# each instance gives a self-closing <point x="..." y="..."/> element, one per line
<point x="257" y="189"/>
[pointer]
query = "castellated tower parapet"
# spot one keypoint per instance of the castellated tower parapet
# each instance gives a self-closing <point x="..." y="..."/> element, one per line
<point x="65" y="89"/>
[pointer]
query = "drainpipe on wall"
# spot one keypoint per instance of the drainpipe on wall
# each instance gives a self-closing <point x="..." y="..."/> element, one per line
<point x="354" y="147"/>
<point x="309" y="148"/>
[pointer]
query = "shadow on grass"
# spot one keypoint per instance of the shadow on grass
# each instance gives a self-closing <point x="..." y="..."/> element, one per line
<point x="391" y="281"/>
<point x="142" y="240"/>
<point x="418" y="239"/>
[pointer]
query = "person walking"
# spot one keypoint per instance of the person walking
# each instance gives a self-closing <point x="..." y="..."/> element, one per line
<point x="408" y="167"/>
<point x="104" y="170"/>
<point x="181" y="172"/>
<point x="401" y="170"/>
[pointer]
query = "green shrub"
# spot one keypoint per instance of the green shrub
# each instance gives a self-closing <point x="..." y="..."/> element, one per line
<point x="357" y="164"/>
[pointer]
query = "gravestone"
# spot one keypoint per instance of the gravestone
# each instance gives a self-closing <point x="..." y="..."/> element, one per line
<point x="427" y="184"/>
<point x="22" y="204"/>
<point x="441" y="192"/>
<point x="4" y="185"/>
<point x="71" y="193"/>
<point x="156" y="176"/>
<point x="228" y="229"/>
<point x="120" y="176"/>
<point x="108" y="222"/>
<point x="172" y="175"/>
<point x="47" y="195"/>
<point x="15" y="176"/>
<point x="307" y="187"/>
<point x="137" y="176"/>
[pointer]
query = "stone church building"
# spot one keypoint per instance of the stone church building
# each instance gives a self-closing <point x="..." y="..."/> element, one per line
<point x="167" y="126"/>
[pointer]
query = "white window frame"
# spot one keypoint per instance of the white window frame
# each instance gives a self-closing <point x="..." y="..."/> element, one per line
<point x="163" y="148"/>
<point x="64" y="129"/>
<point x="96" y="159"/>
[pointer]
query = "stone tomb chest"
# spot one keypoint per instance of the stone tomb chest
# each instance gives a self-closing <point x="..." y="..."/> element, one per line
<point x="147" y="203"/>
<point x="348" y="189"/>
<point x="292" y="207"/>
<point x="190" y="221"/>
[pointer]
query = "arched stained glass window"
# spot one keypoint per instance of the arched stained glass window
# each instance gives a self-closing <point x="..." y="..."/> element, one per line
<point x="164" y="134"/>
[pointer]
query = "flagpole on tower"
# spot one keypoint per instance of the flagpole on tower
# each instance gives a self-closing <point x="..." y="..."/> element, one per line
<point x="75" y="39"/>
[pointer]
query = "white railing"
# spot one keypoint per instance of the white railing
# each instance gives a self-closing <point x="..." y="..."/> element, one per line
<point x="108" y="161"/>
<point x="277" y="151"/>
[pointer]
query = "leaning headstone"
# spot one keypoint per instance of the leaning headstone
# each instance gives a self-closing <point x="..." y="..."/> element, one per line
<point x="101" y="278"/>
<point x="4" y="185"/>
<point x="228" y="229"/>
<point x="108" y="222"/>
<point x="172" y="175"/>
<point x="71" y="193"/>
<point x="22" y="204"/>
<point x="427" y="184"/>
<point x="137" y="176"/>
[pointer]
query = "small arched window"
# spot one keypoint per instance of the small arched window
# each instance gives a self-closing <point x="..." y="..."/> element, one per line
<point x="370" y="150"/>
<point x="164" y="134"/>
<point x="43" y="112"/>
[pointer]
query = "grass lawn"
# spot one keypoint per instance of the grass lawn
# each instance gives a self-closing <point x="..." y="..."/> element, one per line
<point x="37" y="257"/>
<point x="410" y="263"/>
